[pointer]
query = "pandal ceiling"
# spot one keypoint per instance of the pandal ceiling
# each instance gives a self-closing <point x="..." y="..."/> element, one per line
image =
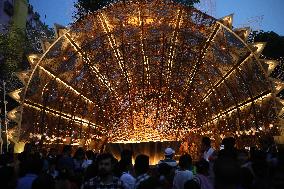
<point x="147" y="71"/>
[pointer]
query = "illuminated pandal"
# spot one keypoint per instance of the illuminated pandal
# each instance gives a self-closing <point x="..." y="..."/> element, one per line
<point x="145" y="71"/>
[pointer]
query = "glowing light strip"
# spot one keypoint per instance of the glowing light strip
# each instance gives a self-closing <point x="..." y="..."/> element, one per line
<point x="192" y="75"/>
<point x="248" y="47"/>
<point x="173" y="52"/>
<point x="145" y="58"/>
<point x="224" y="77"/>
<point x="240" y="106"/>
<point x="203" y="53"/>
<point x="88" y="61"/>
<point x="65" y="84"/>
<point x="117" y="53"/>
<point x="57" y="113"/>
<point x="113" y="45"/>
<point x="173" y="41"/>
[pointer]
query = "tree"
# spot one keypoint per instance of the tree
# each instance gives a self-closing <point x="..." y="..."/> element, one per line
<point x="84" y="7"/>
<point x="274" y="50"/>
<point x="21" y="38"/>
<point x="18" y="39"/>
<point x="275" y="44"/>
<point x="10" y="51"/>
<point x="12" y="42"/>
<point x="189" y="3"/>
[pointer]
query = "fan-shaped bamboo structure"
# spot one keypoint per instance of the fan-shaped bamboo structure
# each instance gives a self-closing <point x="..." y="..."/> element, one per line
<point x="147" y="71"/>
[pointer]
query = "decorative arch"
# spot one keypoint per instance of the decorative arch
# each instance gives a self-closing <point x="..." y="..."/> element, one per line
<point x="147" y="71"/>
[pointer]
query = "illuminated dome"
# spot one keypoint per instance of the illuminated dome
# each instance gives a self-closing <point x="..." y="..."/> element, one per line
<point x="144" y="71"/>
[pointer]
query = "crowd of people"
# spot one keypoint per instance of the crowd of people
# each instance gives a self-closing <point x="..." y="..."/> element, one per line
<point x="228" y="168"/>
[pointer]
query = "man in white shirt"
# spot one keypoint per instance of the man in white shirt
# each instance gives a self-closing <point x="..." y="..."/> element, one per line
<point x="183" y="174"/>
<point x="209" y="155"/>
<point x="208" y="151"/>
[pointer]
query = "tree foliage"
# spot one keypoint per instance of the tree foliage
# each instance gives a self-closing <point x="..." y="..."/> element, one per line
<point x="27" y="41"/>
<point x="84" y="7"/>
<point x="10" y="43"/>
<point x="274" y="48"/>
<point x="187" y="2"/>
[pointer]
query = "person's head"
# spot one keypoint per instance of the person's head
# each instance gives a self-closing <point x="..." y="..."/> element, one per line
<point x="141" y="164"/>
<point x="123" y="166"/>
<point x="232" y="142"/>
<point x="126" y="156"/>
<point x="90" y="155"/>
<point x="229" y="143"/>
<point x="106" y="163"/>
<point x="202" y="167"/>
<point x="206" y="143"/>
<point x="169" y="153"/>
<point x="28" y="147"/>
<point x="185" y="161"/>
<point x="34" y="164"/>
<point x="52" y="152"/>
<point x="79" y="154"/>
<point x="67" y="150"/>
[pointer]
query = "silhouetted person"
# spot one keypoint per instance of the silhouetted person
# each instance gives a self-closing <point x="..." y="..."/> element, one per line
<point x="79" y="158"/>
<point x="34" y="167"/>
<point x="209" y="154"/>
<point x="141" y="168"/>
<point x="277" y="176"/>
<point x="183" y="174"/>
<point x="169" y="158"/>
<point x="126" y="156"/>
<point x="206" y="149"/>
<point x="23" y="156"/>
<point x="92" y="170"/>
<point x="166" y="175"/>
<point x="229" y="150"/>
<point x="105" y="178"/>
<point x="7" y="173"/>
<point x="52" y="154"/>
<point x="90" y="157"/>
<point x="125" y="169"/>
<point x="201" y="177"/>
<point x="243" y="156"/>
<point x="66" y="161"/>
<point x="259" y="169"/>
<point x="227" y="173"/>
<point x="127" y="179"/>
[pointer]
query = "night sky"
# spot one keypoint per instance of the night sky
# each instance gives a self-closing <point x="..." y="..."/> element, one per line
<point x="246" y="12"/>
